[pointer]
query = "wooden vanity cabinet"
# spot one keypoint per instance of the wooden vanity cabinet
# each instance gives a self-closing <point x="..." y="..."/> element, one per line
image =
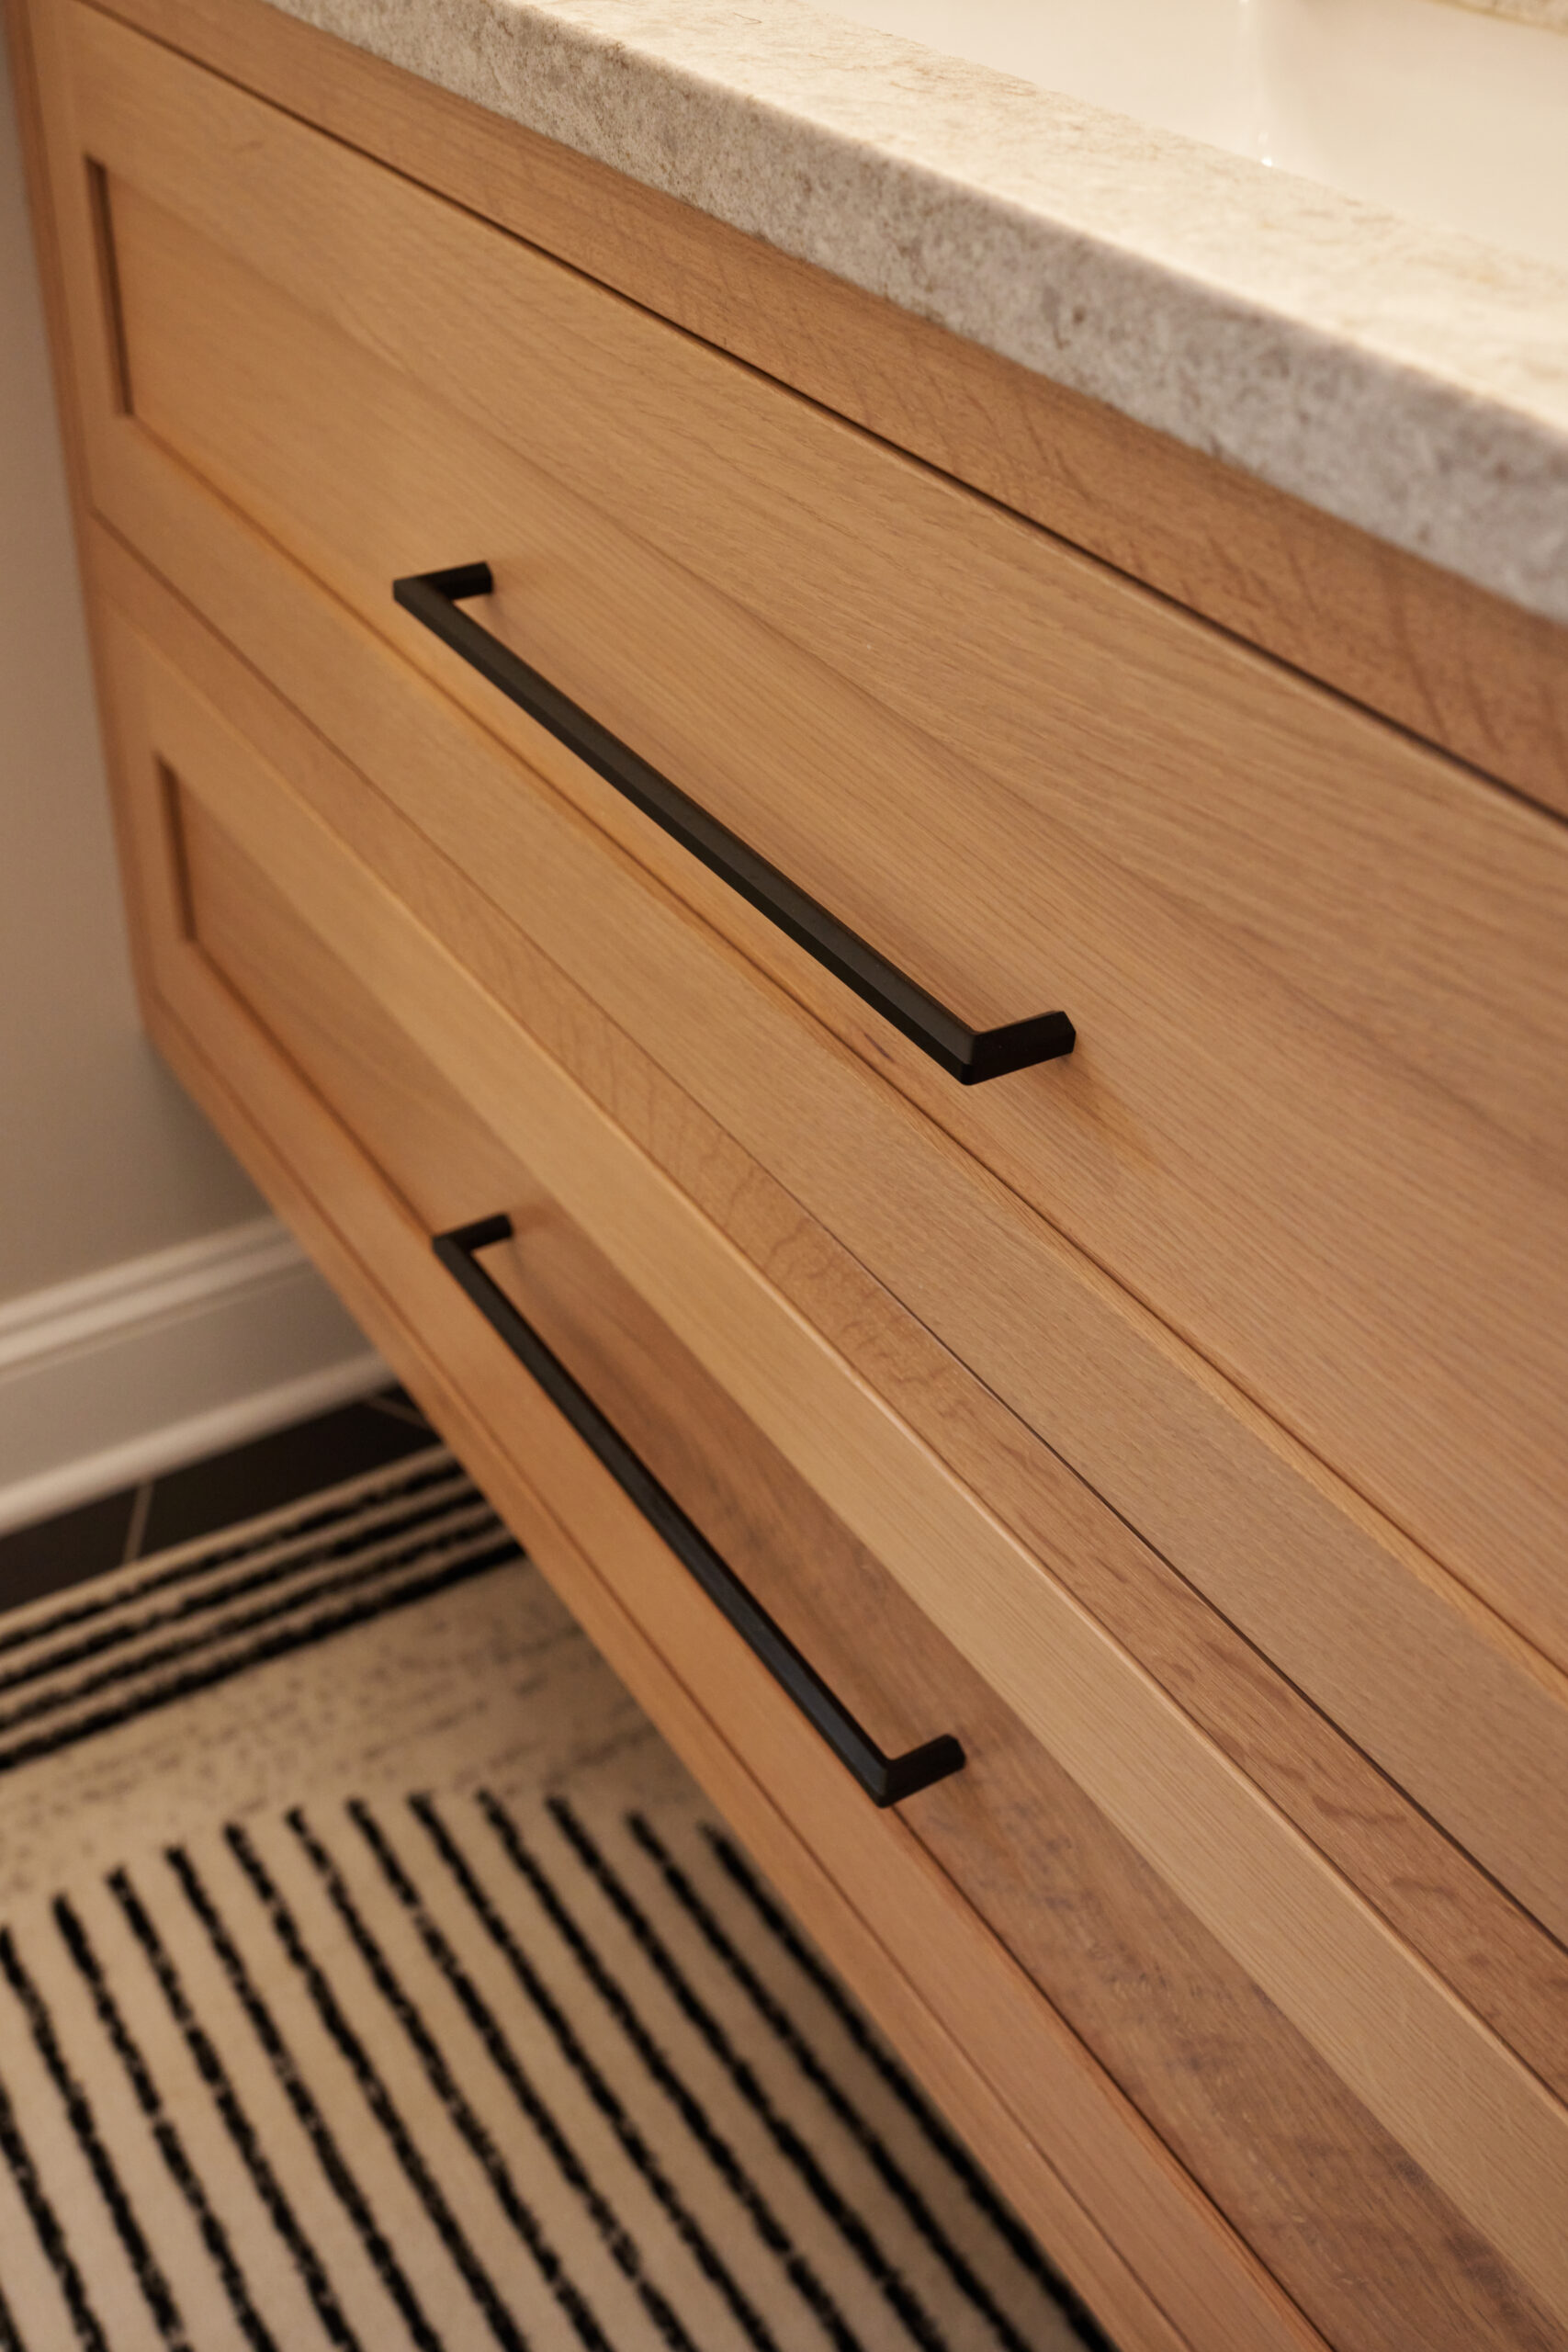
<point x="1176" y="1423"/>
<point x="1338" y="1182"/>
<point x="1319" y="973"/>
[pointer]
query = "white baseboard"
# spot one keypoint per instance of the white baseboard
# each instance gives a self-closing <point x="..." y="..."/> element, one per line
<point x="136" y="1369"/>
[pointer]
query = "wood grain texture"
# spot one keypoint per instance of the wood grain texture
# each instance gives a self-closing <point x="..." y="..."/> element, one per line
<point x="460" y="1370"/>
<point x="1513" y="1975"/>
<point x="1455" y="1707"/>
<point x="1394" y="1649"/>
<point x="1475" y="674"/>
<point x="1330" y="2201"/>
<point x="1482" y="2128"/>
<point x="1318" y="973"/>
<point x="1517" y="1811"/>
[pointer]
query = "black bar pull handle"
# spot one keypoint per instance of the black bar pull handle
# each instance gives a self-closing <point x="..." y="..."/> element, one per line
<point x="968" y="1055"/>
<point x="885" y="1779"/>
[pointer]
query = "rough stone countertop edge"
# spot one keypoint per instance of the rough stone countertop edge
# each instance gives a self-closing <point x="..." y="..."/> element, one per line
<point x="1405" y="380"/>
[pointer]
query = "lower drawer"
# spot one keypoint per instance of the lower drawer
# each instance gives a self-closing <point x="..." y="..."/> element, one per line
<point x="1096" y="1861"/>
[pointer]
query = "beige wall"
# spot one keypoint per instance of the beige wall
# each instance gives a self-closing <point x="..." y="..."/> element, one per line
<point x="101" y="1157"/>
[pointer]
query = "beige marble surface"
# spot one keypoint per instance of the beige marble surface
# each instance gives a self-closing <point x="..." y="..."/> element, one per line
<point x="1407" y="379"/>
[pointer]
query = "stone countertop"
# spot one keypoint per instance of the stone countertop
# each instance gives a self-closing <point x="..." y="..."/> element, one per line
<point x="1407" y="379"/>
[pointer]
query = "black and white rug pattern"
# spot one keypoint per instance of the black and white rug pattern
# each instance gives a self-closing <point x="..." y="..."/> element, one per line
<point x="528" y="2057"/>
<point x="116" y="1648"/>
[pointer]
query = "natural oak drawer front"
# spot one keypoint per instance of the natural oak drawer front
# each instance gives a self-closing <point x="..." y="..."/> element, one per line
<point x="644" y="1295"/>
<point x="1314" y="1117"/>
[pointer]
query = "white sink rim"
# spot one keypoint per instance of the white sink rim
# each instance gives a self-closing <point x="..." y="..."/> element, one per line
<point x="1448" y="115"/>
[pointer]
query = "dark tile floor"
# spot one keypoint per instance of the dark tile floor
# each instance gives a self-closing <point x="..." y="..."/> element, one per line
<point x="182" y="1504"/>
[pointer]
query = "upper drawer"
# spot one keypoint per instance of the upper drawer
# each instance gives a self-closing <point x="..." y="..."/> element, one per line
<point x="1315" y="1114"/>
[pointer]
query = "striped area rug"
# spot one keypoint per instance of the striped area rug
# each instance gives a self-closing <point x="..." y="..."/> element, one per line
<point x="486" y="2035"/>
<point x="108" y="1651"/>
